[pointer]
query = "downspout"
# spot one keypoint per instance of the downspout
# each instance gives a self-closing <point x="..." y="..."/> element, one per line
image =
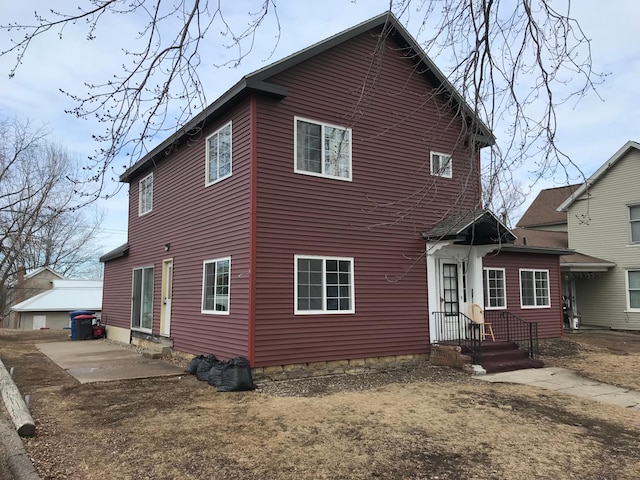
<point x="253" y="205"/>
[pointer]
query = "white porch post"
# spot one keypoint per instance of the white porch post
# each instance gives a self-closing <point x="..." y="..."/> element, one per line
<point x="433" y="286"/>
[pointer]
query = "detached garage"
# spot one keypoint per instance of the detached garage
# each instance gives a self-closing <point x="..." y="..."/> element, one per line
<point x="51" y="309"/>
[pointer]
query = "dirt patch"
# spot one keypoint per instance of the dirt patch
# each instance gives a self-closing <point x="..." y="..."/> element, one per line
<point x="406" y="422"/>
<point x="606" y="356"/>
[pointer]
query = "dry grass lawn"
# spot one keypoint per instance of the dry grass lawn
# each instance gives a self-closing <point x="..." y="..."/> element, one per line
<point x="434" y="424"/>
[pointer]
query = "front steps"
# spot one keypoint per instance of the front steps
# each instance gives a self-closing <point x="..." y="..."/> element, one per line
<point x="502" y="356"/>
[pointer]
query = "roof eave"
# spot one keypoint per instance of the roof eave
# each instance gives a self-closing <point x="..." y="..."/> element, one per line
<point x="244" y="87"/>
<point x="599" y="173"/>
<point x="532" y="249"/>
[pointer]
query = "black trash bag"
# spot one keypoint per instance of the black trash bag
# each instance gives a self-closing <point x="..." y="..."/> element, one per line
<point x="193" y="366"/>
<point x="205" y="365"/>
<point x="236" y="376"/>
<point x="215" y="374"/>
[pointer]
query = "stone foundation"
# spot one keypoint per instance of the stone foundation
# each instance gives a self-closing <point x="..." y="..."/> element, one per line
<point x="332" y="367"/>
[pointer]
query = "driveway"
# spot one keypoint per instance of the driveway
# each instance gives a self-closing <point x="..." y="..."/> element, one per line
<point x="101" y="361"/>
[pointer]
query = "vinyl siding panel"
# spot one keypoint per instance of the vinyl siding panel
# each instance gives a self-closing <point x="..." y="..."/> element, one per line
<point x="599" y="226"/>
<point x="377" y="218"/>
<point x="116" y="293"/>
<point x="549" y="320"/>
<point x="198" y="223"/>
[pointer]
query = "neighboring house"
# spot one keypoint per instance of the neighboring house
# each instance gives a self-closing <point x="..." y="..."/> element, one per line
<point x="50" y="309"/>
<point x="25" y="286"/>
<point x="544" y="225"/>
<point x="326" y="207"/>
<point x="603" y="218"/>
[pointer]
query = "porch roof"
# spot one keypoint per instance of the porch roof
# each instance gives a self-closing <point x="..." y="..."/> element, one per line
<point x="476" y="227"/>
<point x="579" y="262"/>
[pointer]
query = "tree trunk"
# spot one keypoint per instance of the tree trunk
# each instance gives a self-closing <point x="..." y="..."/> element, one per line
<point x="15" y="405"/>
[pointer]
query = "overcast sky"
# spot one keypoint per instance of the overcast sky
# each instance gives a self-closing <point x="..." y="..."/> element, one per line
<point x="589" y="132"/>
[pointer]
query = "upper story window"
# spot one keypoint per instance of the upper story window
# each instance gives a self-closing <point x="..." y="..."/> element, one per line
<point x="323" y="150"/>
<point x="441" y="165"/>
<point x="215" y="285"/>
<point x="634" y="218"/>
<point x="219" y="155"/>
<point x="324" y="285"/>
<point x="495" y="288"/>
<point x="145" y="195"/>
<point x="534" y="288"/>
<point x="633" y="289"/>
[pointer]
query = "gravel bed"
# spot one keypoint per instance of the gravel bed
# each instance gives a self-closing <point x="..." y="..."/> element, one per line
<point x="353" y="382"/>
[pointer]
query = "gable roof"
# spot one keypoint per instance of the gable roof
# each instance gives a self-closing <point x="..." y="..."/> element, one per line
<point x="476" y="227"/>
<point x="65" y="296"/>
<point x="39" y="270"/>
<point x="626" y="148"/>
<point x="543" y="210"/>
<point x="257" y="82"/>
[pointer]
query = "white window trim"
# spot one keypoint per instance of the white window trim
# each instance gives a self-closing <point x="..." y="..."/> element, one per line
<point x="322" y="124"/>
<point x="535" y="298"/>
<point x="443" y="175"/>
<point x="206" y="160"/>
<point x="631" y="222"/>
<point x="140" y="196"/>
<point x="215" y="312"/>
<point x="487" y="305"/>
<point x="627" y="290"/>
<point x="144" y="267"/>
<point x="324" y="311"/>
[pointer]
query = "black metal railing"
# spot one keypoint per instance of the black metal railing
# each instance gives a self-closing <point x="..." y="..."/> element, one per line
<point x="510" y="327"/>
<point x="458" y="329"/>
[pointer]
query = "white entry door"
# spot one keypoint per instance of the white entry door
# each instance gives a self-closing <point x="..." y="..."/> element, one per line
<point x="167" y="287"/>
<point x="452" y="294"/>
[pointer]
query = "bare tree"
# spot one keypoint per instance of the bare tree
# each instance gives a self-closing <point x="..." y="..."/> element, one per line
<point x="40" y="223"/>
<point x="514" y="62"/>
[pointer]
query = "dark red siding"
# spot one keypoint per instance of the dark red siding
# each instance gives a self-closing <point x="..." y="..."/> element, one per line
<point x="198" y="223"/>
<point x="377" y="218"/>
<point x="549" y="319"/>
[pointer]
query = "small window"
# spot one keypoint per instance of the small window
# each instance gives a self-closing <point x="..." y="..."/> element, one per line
<point x="219" y="155"/>
<point x="215" y="286"/>
<point x="145" y="194"/>
<point x="324" y="285"/>
<point x="633" y="285"/>
<point x="322" y="150"/>
<point x="634" y="217"/>
<point x="441" y="165"/>
<point x="534" y="289"/>
<point x="495" y="288"/>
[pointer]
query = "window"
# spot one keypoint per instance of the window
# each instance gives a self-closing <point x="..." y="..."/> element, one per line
<point x="495" y="295"/>
<point x="450" y="288"/>
<point x="215" y="286"/>
<point x="145" y="194"/>
<point x="633" y="282"/>
<point x="441" y="165"/>
<point x="534" y="288"/>
<point x="142" y="304"/>
<point x="219" y="155"/>
<point x="634" y="217"/>
<point x="323" y="150"/>
<point x="324" y="285"/>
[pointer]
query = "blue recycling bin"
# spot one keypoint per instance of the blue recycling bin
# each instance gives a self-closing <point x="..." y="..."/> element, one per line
<point x="81" y="327"/>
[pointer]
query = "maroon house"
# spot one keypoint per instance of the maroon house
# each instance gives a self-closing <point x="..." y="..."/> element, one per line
<point x="326" y="207"/>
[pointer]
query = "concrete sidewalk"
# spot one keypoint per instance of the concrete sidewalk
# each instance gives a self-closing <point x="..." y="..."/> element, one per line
<point x="101" y="361"/>
<point x="567" y="381"/>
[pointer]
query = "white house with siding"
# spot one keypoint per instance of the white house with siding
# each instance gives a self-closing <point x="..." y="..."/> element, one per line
<point x="603" y="219"/>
